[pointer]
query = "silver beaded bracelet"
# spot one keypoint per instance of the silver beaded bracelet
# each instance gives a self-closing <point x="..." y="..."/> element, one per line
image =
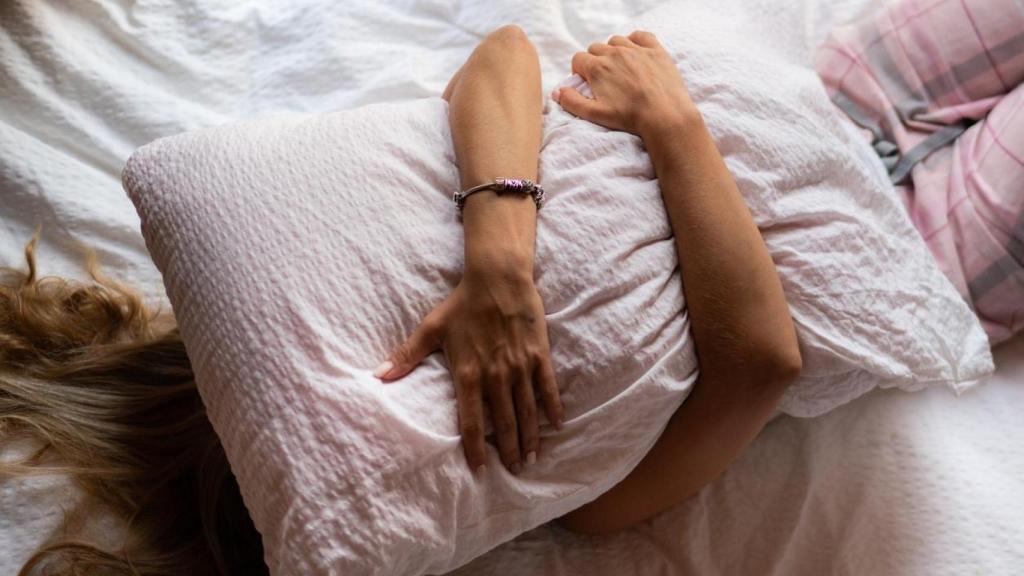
<point x="501" y="186"/>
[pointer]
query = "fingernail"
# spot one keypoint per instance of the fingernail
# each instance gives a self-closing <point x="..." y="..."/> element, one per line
<point x="383" y="369"/>
<point x="516" y="468"/>
<point x="531" y="457"/>
<point x="557" y="95"/>
<point x="481" y="469"/>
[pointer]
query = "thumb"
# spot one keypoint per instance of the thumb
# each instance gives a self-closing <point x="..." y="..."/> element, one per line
<point x="577" y="104"/>
<point x="424" y="339"/>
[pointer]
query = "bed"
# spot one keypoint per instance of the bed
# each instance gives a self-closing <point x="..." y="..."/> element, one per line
<point x="892" y="483"/>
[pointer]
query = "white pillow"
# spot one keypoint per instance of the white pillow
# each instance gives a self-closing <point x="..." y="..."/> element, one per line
<point x="298" y="251"/>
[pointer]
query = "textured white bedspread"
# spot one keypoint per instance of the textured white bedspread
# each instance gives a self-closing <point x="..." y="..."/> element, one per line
<point x="892" y="483"/>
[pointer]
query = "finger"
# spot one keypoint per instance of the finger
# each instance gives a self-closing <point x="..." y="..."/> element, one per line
<point x="620" y="41"/>
<point x="526" y="414"/>
<point x="599" y="48"/>
<point x="579" y="105"/>
<point x="544" y="375"/>
<point x="581" y="64"/>
<point x="504" y="419"/>
<point x="424" y="339"/>
<point x="471" y="417"/>
<point x="644" y="38"/>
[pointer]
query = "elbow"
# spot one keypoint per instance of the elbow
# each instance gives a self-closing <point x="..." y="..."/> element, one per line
<point x="777" y="366"/>
<point x="573" y="523"/>
<point x="787" y="363"/>
<point x="585" y="521"/>
<point x="509" y="41"/>
<point x="761" y="370"/>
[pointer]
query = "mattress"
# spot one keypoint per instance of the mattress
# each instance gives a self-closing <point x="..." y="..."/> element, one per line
<point x="893" y="483"/>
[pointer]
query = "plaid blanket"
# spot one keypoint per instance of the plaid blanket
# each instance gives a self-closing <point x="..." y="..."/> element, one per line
<point x="935" y="86"/>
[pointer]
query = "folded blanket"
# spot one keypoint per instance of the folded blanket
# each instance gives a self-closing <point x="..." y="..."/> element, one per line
<point x="935" y="85"/>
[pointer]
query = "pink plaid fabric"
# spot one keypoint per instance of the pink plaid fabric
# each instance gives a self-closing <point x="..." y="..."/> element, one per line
<point x="936" y="87"/>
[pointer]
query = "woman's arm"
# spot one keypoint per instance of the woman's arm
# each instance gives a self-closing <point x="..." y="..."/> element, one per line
<point x="492" y="327"/>
<point x="744" y="336"/>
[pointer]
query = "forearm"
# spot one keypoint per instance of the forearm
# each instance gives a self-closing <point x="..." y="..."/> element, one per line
<point x="744" y="337"/>
<point x="739" y="316"/>
<point x="702" y="438"/>
<point x="495" y="118"/>
<point x="745" y="340"/>
<point x="492" y="327"/>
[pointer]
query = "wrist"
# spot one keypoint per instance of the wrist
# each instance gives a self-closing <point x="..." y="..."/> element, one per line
<point x="508" y="267"/>
<point x="499" y="235"/>
<point x="671" y="124"/>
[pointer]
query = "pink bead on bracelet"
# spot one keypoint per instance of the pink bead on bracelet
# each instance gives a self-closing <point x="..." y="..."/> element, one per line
<point x="502" y="185"/>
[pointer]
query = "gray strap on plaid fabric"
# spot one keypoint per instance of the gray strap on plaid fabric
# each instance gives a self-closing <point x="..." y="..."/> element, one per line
<point x="936" y="140"/>
<point x="899" y="166"/>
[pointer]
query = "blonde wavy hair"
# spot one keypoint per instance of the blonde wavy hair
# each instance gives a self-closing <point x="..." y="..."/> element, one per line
<point x="102" y="385"/>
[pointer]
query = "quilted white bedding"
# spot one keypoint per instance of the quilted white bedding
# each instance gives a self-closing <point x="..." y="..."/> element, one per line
<point x="891" y="483"/>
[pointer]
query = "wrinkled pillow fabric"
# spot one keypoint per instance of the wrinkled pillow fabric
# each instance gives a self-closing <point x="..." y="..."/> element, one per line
<point x="297" y="251"/>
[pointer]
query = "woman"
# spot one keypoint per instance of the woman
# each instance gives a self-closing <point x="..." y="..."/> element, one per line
<point x="492" y="327"/>
<point x="105" y="385"/>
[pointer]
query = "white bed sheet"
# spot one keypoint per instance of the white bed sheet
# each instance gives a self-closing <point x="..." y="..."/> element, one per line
<point x="892" y="483"/>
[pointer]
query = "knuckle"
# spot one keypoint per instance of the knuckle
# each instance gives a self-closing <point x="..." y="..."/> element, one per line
<point x="471" y="429"/>
<point x="401" y="354"/>
<point x="497" y="374"/>
<point x="431" y="325"/>
<point x="527" y="411"/>
<point x="534" y="354"/>
<point x="553" y="398"/>
<point x="549" y="385"/>
<point x="523" y="363"/>
<point x="554" y="408"/>
<point x="513" y="358"/>
<point x="465" y="374"/>
<point x="475" y="457"/>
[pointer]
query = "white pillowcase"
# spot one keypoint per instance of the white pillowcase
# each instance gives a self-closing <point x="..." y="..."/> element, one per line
<point x="298" y="251"/>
